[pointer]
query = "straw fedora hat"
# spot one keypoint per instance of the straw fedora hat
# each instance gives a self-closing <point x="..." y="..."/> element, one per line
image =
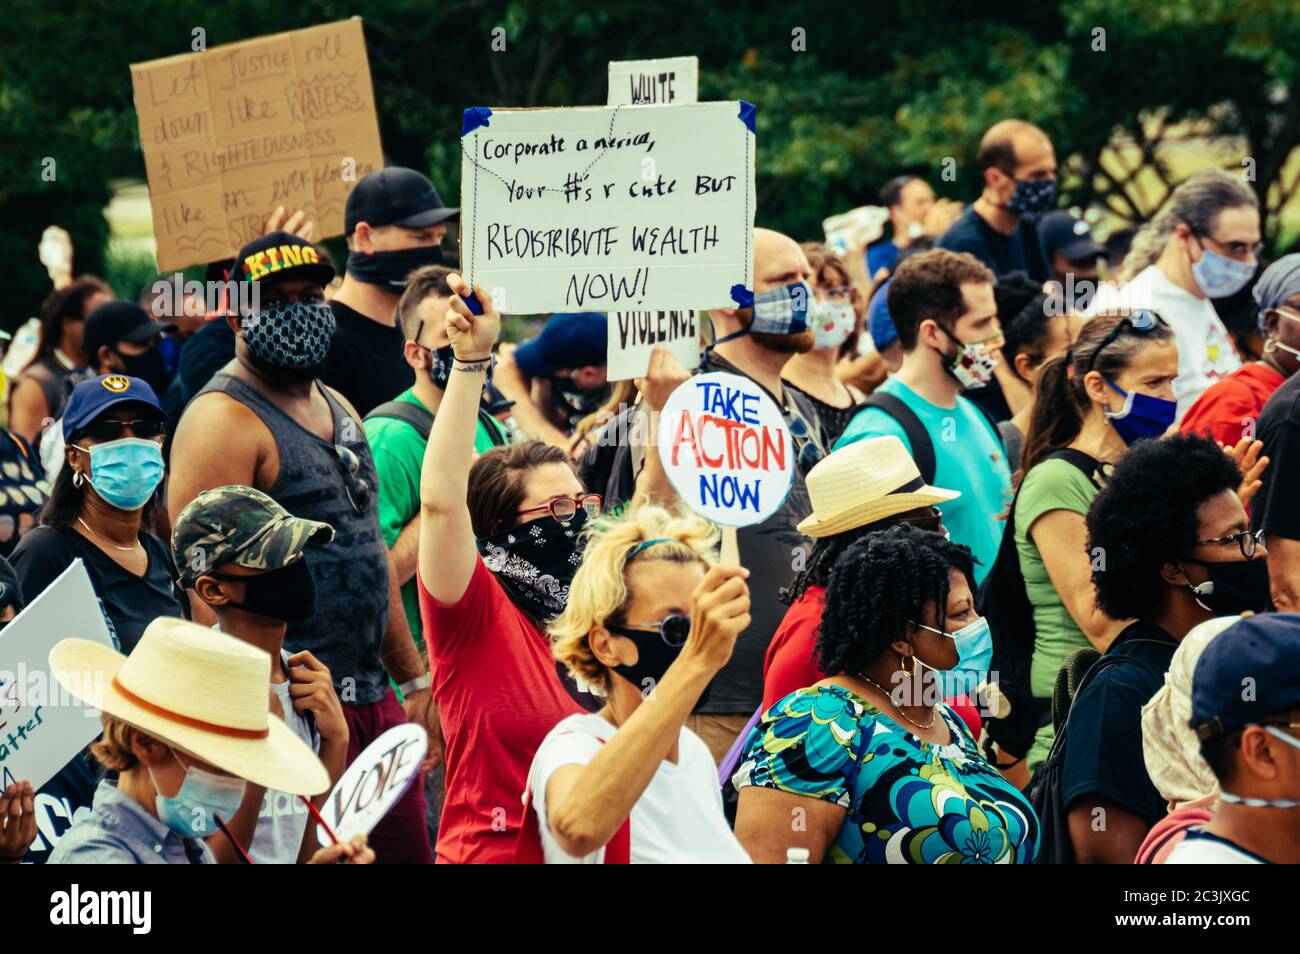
<point x="199" y="690"/>
<point x="867" y="481"/>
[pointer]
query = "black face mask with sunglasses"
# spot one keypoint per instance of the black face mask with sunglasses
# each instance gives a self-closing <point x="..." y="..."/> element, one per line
<point x="535" y="561"/>
<point x="656" y="649"/>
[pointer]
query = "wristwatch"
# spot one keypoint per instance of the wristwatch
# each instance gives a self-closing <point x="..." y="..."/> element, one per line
<point x="416" y="684"/>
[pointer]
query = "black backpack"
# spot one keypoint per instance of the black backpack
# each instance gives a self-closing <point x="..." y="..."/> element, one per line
<point x="1002" y="600"/>
<point x="1045" y="788"/>
<point x="422" y="420"/>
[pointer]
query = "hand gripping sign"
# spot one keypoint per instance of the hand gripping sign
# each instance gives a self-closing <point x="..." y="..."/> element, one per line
<point x="374" y="782"/>
<point x="724" y="445"/>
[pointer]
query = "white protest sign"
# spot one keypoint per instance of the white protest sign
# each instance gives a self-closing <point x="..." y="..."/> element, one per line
<point x="609" y="208"/>
<point x="725" y="447"/>
<point x="374" y="782"/>
<point x="634" y="334"/>
<point x="42" y="725"/>
<point x="675" y="79"/>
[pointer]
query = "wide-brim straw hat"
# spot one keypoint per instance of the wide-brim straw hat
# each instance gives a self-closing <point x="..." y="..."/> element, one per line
<point x="199" y="690"/>
<point x="864" y="482"/>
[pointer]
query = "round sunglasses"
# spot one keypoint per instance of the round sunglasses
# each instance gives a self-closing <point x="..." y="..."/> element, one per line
<point x="672" y="629"/>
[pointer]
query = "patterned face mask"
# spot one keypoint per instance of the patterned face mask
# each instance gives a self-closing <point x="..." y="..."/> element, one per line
<point x="291" y="338"/>
<point x="1032" y="198"/>
<point x="535" y="561"/>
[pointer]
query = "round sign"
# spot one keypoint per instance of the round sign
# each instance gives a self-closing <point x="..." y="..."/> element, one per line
<point x="374" y="782"/>
<point x="725" y="447"/>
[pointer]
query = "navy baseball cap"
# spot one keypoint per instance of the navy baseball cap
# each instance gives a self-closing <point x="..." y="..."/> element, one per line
<point x="89" y="399"/>
<point x="1060" y="231"/>
<point x="116" y="321"/>
<point x="395" y="196"/>
<point x="567" y="341"/>
<point x="1249" y="672"/>
<point x="879" y="322"/>
<point x="278" y="255"/>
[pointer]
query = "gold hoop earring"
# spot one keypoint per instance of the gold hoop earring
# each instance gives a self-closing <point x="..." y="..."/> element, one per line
<point x="903" y="664"/>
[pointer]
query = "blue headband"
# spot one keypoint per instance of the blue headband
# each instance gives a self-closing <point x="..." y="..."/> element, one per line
<point x="644" y="544"/>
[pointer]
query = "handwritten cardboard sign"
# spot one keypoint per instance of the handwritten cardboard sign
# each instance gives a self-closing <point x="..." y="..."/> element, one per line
<point x="42" y="726"/>
<point x="634" y="334"/>
<point x="233" y="132"/>
<point x="724" y="445"/>
<point x="374" y="782"/>
<point x="609" y="208"/>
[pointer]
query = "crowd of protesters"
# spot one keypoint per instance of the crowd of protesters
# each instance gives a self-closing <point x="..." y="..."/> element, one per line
<point x="1040" y="532"/>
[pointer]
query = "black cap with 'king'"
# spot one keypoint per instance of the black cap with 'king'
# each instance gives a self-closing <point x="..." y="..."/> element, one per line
<point x="395" y="196"/>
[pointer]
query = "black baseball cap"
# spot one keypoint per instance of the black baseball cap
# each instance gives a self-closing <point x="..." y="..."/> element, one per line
<point x="116" y="321"/>
<point x="279" y="255"/>
<point x="395" y="196"/>
<point x="1060" y="231"/>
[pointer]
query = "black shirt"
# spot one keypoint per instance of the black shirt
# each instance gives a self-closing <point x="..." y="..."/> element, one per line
<point x="365" y="362"/>
<point x="130" y="602"/>
<point x="1276" y="508"/>
<point x="1103" y="748"/>
<point x="1019" y="252"/>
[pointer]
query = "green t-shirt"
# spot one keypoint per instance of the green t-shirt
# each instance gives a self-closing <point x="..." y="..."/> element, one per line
<point x="398" y="450"/>
<point x="1052" y="485"/>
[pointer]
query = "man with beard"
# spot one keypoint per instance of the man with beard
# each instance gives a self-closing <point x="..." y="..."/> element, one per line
<point x="265" y="421"/>
<point x="754" y="342"/>
<point x="395" y="222"/>
<point x="947" y="321"/>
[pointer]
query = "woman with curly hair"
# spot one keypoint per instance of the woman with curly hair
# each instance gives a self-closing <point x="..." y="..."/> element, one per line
<point x="1171" y="547"/>
<point x="872" y="762"/>
<point x="648" y="623"/>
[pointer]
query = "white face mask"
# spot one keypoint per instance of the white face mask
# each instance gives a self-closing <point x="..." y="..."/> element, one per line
<point x="832" y="323"/>
<point x="1267" y="802"/>
<point x="1272" y="344"/>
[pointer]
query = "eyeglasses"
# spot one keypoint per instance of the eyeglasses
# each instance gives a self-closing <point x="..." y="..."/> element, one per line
<point x="356" y="486"/>
<point x="111" y="430"/>
<point x="840" y="293"/>
<point x="1139" y="322"/>
<point x="673" y="629"/>
<point x="1247" y="540"/>
<point x="1233" y="249"/>
<point x="565" y="509"/>
<point x="806" y="449"/>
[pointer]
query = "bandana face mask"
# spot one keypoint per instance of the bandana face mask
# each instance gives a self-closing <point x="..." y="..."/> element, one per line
<point x="536" y="560"/>
<point x="1032" y="198"/>
<point x="290" y="340"/>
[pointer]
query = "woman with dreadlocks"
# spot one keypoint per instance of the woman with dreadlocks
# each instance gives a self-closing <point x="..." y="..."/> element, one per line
<point x="858" y="490"/>
<point x="878" y="769"/>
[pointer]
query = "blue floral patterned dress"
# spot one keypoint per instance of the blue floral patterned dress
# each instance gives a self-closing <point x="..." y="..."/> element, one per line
<point x="909" y="801"/>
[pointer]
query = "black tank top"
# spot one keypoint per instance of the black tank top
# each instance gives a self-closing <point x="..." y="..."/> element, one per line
<point x="351" y="574"/>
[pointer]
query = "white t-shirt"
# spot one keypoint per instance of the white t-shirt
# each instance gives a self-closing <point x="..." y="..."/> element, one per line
<point x="678" y="818"/>
<point x="1202" y="848"/>
<point x="1205" y="349"/>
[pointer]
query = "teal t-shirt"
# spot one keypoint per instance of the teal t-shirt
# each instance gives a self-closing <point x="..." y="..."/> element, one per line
<point x="398" y="450"/>
<point x="968" y="458"/>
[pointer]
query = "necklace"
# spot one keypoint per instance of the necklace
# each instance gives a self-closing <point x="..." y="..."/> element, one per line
<point x="897" y="707"/>
<point x="63" y="359"/>
<point x="130" y="549"/>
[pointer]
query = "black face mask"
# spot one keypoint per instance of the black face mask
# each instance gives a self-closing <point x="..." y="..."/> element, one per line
<point x="1232" y="588"/>
<point x="287" y="594"/>
<point x="440" y="366"/>
<point x="390" y="269"/>
<point x="535" y="561"/>
<point x="149" y="367"/>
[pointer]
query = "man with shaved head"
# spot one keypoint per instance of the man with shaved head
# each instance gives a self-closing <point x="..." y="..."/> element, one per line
<point x="1018" y="166"/>
<point x="755" y="342"/>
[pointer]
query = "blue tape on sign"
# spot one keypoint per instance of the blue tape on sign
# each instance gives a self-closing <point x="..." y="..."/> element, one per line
<point x="747" y="111"/>
<point x="471" y="302"/>
<point x="477" y="116"/>
<point x="742" y="296"/>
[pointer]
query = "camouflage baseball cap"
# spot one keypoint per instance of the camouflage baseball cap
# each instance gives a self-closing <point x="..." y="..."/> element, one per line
<point x="243" y="526"/>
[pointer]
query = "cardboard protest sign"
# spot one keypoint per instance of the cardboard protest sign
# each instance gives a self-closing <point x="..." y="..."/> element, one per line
<point x="231" y="133"/>
<point x="725" y="447"/>
<point x="609" y="208"/>
<point x="42" y="725"/>
<point x="634" y="334"/>
<point x="675" y="79"/>
<point x="374" y="782"/>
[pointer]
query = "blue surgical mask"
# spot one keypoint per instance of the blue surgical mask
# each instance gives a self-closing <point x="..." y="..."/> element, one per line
<point x="782" y="311"/>
<point x="1267" y="802"/>
<point x="1142" y="415"/>
<point x="125" y="472"/>
<point x="1032" y="198"/>
<point x="974" y="656"/>
<point x="192" y="812"/>
<point x="1220" y="276"/>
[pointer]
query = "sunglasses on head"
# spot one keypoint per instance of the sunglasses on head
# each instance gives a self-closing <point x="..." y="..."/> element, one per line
<point x="111" y="430"/>
<point x="673" y="629"/>
<point x="1139" y="322"/>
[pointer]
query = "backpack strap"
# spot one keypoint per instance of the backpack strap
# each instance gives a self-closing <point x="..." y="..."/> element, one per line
<point x="1084" y="462"/>
<point x="495" y="432"/>
<point x="1101" y="665"/>
<point x="917" y="436"/>
<point x="412" y="414"/>
<point x="528" y="848"/>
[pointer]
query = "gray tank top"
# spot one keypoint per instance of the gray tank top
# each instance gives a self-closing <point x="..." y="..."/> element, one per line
<point x="346" y="632"/>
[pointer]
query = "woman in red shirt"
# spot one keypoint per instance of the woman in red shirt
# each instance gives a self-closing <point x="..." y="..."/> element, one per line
<point x="1230" y="408"/>
<point x="498" y="548"/>
<point x="863" y="488"/>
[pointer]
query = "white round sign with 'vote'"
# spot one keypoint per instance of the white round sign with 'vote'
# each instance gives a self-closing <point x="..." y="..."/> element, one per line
<point x="374" y="782"/>
<point x="725" y="447"/>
